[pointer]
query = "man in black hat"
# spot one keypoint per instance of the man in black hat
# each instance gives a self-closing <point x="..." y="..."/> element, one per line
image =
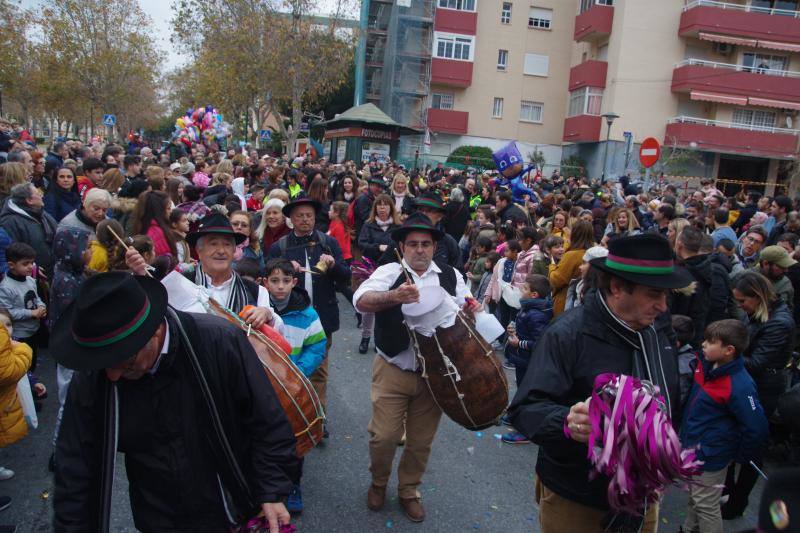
<point x="431" y="205"/>
<point x="621" y="328"/>
<point x="363" y="205"/>
<point x="319" y="265"/>
<point x="399" y="394"/>
<point x="184" y="397"/>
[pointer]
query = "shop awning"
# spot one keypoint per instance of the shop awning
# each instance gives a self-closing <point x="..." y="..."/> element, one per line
<point x="775" y="45"/>
<point x="719" y="98"/>
<point x="717" y="38"/>
<point x="779" y="104"/>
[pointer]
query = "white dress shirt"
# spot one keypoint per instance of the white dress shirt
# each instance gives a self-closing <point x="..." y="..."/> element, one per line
<point x="385" y="276"/>
<point x="220" y="293"/>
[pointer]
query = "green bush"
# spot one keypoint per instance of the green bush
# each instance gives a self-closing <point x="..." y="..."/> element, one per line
<point x="479" y="156"/>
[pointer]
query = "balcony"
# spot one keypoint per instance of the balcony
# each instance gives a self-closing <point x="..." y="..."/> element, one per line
<point x="727" y="137"/>
<point x="582" y="128"/>
<point x="454" y="21"/>
<point x="451" y="73"/>
<point x="774" y="26"/>
<point x="780" y="87"/>
<point x="588" y="74"/>
<point x="448" y="121"/>
<point x="594" y="23"/>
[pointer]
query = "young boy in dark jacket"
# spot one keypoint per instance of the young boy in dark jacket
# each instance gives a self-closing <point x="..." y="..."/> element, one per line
<point x="723" y="419"/>
<point x="535" y="313"/>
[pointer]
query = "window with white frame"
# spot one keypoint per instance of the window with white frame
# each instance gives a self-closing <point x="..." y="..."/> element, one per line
<point x="540" y="18"/>
<point x="505" y="13"/>
<point x="502" y="59"/>
<point x="442" y="100"/>
<point x="585" y="101"/>
<point x="754" y="119"/>
<point x="530" y="111"/>
<point x="454" y="46"/>
<point x="764" y="63"/>
<point x="460" y="5"/>
<point x="497" y="108"/>
<point x="536" y="65"/>
<point x="587" y="4"/>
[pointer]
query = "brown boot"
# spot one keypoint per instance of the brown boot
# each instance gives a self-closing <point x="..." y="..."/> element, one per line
<point x="376" y="497"/>
<point x="413" y="509"/>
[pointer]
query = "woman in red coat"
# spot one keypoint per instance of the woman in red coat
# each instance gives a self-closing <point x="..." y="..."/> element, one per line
<point x="151" y="218"/>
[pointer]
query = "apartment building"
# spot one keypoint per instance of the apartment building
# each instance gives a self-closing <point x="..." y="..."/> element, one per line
<point x="720" y="79"/>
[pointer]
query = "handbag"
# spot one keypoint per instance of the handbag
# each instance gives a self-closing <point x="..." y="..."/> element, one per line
<point x="26" y="401"/>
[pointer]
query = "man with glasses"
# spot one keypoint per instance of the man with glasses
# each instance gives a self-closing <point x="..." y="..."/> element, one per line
<point x="399" y="394"/>
<point x="748" y="249"/>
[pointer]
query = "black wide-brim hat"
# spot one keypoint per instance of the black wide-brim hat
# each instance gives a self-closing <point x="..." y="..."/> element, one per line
<point x="287" y="209"/>
<point x="430" y="200"/>
<point x="214" y="224"/>
<point x="377" y="180"/>
<point x="113" y="317"/>
<point x="416" y="222"/>
<point x="644" y="260"/>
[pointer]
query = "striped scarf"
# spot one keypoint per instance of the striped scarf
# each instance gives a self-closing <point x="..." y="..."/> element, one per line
<point x="237" y="298"/>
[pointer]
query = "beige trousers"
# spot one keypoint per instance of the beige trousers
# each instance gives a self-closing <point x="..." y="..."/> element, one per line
<point x="319" y="379"/>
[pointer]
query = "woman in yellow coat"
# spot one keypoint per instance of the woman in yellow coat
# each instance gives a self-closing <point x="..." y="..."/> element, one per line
<point x="15" y="360"/>
<point x="582" y="238"/>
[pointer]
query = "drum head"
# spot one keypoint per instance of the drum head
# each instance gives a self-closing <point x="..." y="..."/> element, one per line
<point x="430" y="298"/>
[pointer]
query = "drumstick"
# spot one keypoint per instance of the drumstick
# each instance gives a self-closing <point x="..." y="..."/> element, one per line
<point x="148" y="268"/>
<point x="400" y="258"/>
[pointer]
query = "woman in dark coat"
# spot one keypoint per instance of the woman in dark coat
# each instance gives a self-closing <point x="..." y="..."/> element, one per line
<point x="770" y="326"/>
<point x="62" y="195"/>
<point x="457" y="214"/>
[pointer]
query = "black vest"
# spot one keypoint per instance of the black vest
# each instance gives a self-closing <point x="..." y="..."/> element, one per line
<point x="390" y="339"/>
<point x="251" y="292"/>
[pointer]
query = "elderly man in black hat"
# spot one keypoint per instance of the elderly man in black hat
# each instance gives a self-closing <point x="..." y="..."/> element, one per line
<point x="318" y="265"/>
<point x="621" y="328"/>
<point x="215" y="242"/>
<point x="184" y="396"/>
<point x="431" y="205"/>
<point x="399" y="393"/>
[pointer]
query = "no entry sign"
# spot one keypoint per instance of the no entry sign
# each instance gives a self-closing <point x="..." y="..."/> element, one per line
<point x="649" y="152"/>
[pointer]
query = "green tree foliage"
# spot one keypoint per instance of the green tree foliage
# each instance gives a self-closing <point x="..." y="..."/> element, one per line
<point x="476" y="156"/>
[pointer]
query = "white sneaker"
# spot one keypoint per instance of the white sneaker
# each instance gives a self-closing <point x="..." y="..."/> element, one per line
<point x="5" y="473"/>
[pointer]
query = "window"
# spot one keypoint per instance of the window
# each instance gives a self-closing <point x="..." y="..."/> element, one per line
<point x="453" y="46"/>
<point x="764" y="63"/>
<point x="497" y="108"/>
<point x="505" y="14"/>
<point x="754" y="119"/>
<point x="530" y="111"/>
<point x="587" y="4"/>
<point x="585" y="101"/>
<point x="442" y="100"/>
<point x="502" y="59"/>
<point x="461" y="5"/>
<point x="540" y="18"/>
<point x="536" y="65"/>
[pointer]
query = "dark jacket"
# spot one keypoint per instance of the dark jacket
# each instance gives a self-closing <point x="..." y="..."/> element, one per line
<point x="456" y="218"/>
<point x="322" y="220"/>
<point x="723" y="415"/>
<point x="777" y="230"/>
<point x="59" y="203"/>
<point x="68" y="247"/>
<point x="695" y="303"/>
<point x="721" y="304"/>
<point x="362" y="209"/>
<point x="171" y="456"/>
<point x="745" y="214"/>
<point x="371" y="237"/>
<point x="533" y="317"/>
<point x="52" y="163"/>
<point x="768" y="353"/>
<point x="447" y="252"/>
<point x="571" y="353"/>
<point x="36" y="229"/>
<point x="323" y="287"/>
<point x="512" y="212"/>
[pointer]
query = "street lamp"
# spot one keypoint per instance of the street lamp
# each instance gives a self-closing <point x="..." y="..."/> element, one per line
<point x="610" y="118"/>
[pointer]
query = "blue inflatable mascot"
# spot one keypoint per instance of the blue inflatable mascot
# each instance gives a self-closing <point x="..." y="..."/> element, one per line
<point x="509" y="163"/>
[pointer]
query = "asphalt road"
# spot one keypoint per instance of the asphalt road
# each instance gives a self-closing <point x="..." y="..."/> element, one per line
<point x="473" y="482"/>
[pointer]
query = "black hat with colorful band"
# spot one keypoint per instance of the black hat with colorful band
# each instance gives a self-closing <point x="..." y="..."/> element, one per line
<point x="216" y="224"/>
<point x="377" y="180"/>
<point x="297" y="202"/>
<point x="430" y="200"/>
<point x="113" y="317"/>
<point x="416" y="222"/>
<point x="645" y="260"/>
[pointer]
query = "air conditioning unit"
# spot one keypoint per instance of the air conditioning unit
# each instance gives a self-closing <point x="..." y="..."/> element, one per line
<point x="724" y="49"/>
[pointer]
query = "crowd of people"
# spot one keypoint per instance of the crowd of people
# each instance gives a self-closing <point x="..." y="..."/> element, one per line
<point x="691" y="289"/>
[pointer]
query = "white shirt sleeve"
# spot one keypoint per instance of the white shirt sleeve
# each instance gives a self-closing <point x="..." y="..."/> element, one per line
<point x="263" y="301"/>
<point x="462" y="291"/>
<point x="380" y="280"/>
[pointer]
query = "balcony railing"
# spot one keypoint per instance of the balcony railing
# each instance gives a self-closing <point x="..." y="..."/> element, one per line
<point x="741" y="7"/>
<point x="739" y="68"/>
<point x="731" y="125"/>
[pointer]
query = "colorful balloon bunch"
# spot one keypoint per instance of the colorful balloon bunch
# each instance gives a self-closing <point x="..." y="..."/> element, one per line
<point x="201" y="125"/>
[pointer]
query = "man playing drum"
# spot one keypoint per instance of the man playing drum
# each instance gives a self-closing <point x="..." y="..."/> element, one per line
<point x="399" y="392"/>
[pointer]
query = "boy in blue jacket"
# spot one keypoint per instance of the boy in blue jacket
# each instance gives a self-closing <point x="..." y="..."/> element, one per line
<point x="723" y="419"/>
<point x="302" y="329"/>
<point x="535" y="313"/>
